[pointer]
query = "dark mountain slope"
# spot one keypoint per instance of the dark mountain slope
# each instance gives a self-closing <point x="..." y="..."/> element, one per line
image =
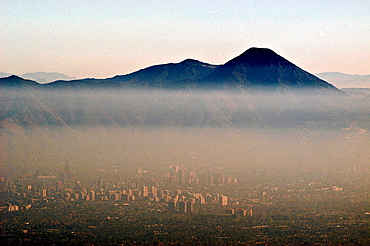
<point x="157" y="76"/>
<point x="17" y="82"/>
<point x="256" y="68"/>
<point x="161" y="75"/>
<point x="262" y="68"/>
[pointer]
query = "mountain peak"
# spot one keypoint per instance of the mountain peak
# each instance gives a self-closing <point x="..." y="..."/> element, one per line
<point x="259" y="57"/>
<point x="256" y="68"/>
<point x="13" y="77"/>
<point x="262" y="68"/>
<point x="193" y="62"/>
<point x="189" y="60"/>
<point x="46" y="77"/>
<point x="165" y="74"/>
<point x="15" y="81"/>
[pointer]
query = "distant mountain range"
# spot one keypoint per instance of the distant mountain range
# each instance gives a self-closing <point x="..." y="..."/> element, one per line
<point x="95" y="121"/>
<point x="256" y="68"/>
<point x="201" y="95"/>
<point x="342" y="80"/>
<point x="41" y="77"/>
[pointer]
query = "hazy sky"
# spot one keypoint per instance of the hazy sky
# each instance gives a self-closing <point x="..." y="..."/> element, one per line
<point x="92" y="38"/>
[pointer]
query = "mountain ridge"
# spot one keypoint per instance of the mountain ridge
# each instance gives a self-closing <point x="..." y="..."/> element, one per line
<point x="41" y="77"/>
<point x="262" y="67"/>
<point x="14" y="81"/>
<point x="256" y="68"/>
<point x="167" y="73"/>
<point x="342" y="80"/>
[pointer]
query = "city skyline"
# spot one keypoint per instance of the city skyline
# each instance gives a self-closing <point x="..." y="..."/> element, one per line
<point x="101" y="39"/>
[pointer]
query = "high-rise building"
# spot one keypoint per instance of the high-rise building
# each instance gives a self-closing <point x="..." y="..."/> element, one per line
<point x="210" y="180"/>
<point x="68" y="171"/>
<point x="176" y="168"/>
<point x="229" y="180"/>
<point x="100" y="183"/>
<point x="145" y="191"/>
<point x="43" y="194"/>
<point x="168" y="178"/>
<point x="222" y="178"/>
<point x="117" y="196"/>
<point x="92" y="195"/>
<point x="165" y="194"/>
<point x="202" y="200"/>
<point x="154" y="191"/>
<point x="118" y="177"/>
<point x="62" y="177"/>
<point x="222" y="200"/>
<point x="186" y="206"/>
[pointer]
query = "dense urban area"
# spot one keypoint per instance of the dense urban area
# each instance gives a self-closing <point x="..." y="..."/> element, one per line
<point x="178" y="205"/>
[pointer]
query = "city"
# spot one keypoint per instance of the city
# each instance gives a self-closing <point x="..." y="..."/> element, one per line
<point x="188" y="205"/>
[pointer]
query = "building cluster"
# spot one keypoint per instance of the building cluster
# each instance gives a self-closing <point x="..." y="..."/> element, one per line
<point x="177" y="176"/>
<point x="179" y="190"/>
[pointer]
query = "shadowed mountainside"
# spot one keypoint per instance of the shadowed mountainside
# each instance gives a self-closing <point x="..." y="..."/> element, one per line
<point x="163" y="75"/>
<point x="133" y="118"/>
<point x="256" y="68"/>
<point x="82" y="102"/>
<point x="128" y="107"/>
<point x="14" y="81"/>
<point x="263" y="69"/>
<point x="157" y="76"/>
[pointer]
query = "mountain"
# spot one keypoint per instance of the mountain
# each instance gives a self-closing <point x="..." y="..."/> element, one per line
<point x="14" y="81"/>
<point x="157" y="76"/>
<point x="23" y="108"/>
<point x="4" y="75"/>
<point x="256" y="68"/>
<point x="162" y="75"/>
<point x="41" y="77"/>
<point x="260" y="68"/>
<point x="342" y="80"/>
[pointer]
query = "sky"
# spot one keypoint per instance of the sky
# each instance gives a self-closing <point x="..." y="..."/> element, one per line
<point x="100" y="39"/>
